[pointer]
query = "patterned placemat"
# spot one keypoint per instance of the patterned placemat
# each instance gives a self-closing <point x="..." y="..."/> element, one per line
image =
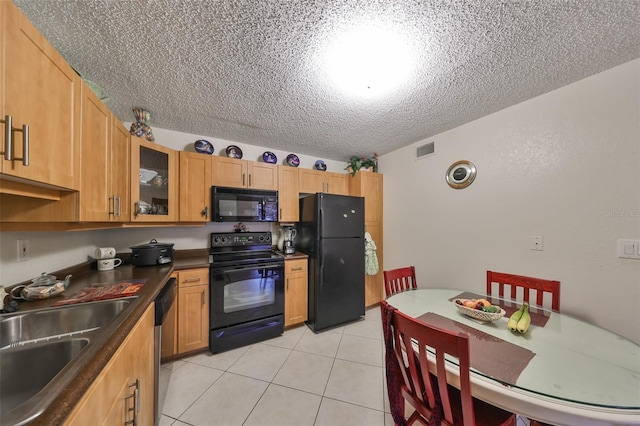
<point x="539" y="317"/>
<point x="103" y="291"/>
<point x="490" y="355"/>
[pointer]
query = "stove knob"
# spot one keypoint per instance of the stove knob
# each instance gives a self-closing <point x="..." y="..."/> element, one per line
<point x="267" y="237"/>
<point x="224" y="240"/>
<point x="261" y="238"/>
<point x="216" y="240"/>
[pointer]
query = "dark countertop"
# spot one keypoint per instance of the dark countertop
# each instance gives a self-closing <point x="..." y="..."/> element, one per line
<point x="86" y="274"/>
<point x="296" y="255"/>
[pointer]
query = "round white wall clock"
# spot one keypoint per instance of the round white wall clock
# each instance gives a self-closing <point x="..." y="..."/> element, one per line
<point x="461" y="174"/>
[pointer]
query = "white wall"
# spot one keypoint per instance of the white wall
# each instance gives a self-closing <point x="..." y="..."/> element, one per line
<point x="564" y="166"/>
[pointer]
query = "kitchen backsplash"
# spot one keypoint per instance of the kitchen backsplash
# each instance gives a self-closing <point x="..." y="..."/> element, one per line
<point x="52" y="251"/>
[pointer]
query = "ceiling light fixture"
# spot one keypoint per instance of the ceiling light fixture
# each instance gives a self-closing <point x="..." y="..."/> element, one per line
<point x="368" y="61"/>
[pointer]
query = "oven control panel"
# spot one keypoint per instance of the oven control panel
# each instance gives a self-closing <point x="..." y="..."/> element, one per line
<point x="240" y="239"/>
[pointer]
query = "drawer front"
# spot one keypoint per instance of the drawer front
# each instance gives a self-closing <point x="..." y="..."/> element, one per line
<point x="193" y="277"/>
<point x="295" y="266"/>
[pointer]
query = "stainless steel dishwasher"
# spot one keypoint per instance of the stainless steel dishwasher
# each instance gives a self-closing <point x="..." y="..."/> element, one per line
<point x="163" y="303"/>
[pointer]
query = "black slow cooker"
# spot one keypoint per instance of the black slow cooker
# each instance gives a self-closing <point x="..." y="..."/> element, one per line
<point x="153" y="253"/>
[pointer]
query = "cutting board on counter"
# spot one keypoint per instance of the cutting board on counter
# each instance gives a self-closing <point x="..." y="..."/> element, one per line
<point x="103" y="291"/>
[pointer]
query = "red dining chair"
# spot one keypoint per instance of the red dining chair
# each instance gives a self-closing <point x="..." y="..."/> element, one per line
<point x="528" y="285"/>
<point x="426" y="387"/>
<point x="401" y="279"/>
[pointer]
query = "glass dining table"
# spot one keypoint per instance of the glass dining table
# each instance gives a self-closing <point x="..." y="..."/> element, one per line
<point x="562" y="371"/>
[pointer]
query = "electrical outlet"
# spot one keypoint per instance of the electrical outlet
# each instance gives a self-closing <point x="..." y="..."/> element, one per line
<point x="23" y="250"/>
<point x="629" y="249"/>
<point x="536" y="243"/>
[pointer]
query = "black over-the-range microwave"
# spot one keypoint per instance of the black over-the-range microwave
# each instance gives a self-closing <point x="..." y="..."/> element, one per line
<point x="243" y="205"/>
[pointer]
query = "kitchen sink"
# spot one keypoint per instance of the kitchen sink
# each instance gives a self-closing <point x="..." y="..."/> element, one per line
<point x="41" y="351"/>
<point x="33" y="326"/>
<point x="27" y="370"/>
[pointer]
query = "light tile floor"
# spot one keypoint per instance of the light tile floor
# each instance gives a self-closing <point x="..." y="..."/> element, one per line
<point x="333" y="378"/>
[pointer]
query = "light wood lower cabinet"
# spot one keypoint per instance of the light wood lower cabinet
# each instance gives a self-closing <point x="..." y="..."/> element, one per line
<point x="193" y="310"/>
<point x="370" y="185"/>
<point x="296" y="296"/>
<point x="111" y="398"/>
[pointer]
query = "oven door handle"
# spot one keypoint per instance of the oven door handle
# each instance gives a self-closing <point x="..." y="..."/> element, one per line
<point x="247" y="267"/>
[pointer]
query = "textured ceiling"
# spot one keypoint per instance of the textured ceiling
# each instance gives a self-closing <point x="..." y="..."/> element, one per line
<point x="253" y="71"/>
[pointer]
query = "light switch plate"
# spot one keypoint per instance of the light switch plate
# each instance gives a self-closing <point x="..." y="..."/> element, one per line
<point x="628" y="249"/>
<point x="536" y="243"/>
<point x="23" y="250"/>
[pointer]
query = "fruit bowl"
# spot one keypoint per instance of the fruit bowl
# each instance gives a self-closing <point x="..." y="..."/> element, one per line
<point x="478" y="314"/>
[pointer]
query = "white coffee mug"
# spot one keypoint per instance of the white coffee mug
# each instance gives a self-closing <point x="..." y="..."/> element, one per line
<point x="108" y="264"/>
<point x="105" y="253"/>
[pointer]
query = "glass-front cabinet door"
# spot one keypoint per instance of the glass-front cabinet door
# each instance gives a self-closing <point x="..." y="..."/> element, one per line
<point x="154" y="182"/>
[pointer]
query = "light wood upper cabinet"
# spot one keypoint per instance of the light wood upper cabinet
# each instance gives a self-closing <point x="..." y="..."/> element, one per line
<point x="296" y="296"/>
<point x="235" y="173"/>
<point x="195" y="187"/>
<point x="369" y="186"/>
<point x="120" y="172"/>
<point x="155" y="199"/>
<point x="312" y="181"/>
<point x="288" y="194"/>
<point x="374" y="284"/>
<point x="95" y="158"/>
<point x="40" y="90"/>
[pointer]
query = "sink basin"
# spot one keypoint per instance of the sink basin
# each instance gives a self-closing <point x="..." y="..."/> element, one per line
<point x="33" y="326"/>
<point x="41" y="351"/>
<point x="25" y="371"/>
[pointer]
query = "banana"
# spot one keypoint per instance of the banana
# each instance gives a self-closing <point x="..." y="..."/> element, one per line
<point x="525" y="319"/>
<point x="512" y="324"/>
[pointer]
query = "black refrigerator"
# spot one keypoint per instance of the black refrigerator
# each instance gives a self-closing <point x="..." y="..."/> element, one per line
<point x="331" y="232"/>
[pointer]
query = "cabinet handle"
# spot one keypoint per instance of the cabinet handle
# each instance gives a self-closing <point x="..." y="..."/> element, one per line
<point x="328" y="190"/>
<point x="249" y="180"/>
<point x="287" y="284"/>
<point x="299" y="268"/>
<point x="191" y="280"/>
<point x="280" y="214"/>
<point x="119" y="206"/>
<point x="243" y="179"/>
<point x="205" y="212"/>
<point x="202" y="297"/>
<point x="136" y="403"/>
<point x="25" y="144"/>
<point x="112" y="211"/>
<point x="8" y="137"/>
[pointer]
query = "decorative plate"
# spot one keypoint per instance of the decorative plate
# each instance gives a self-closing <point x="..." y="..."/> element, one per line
<point x="234" y="152"/>
<point x="478" y="314"/>
<point x="269" y="157"/>
<point x="320" y="165"/>
<point x="293" y="160"/>
<point x="203" y="146"/>
<point x="147" y="175"/>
